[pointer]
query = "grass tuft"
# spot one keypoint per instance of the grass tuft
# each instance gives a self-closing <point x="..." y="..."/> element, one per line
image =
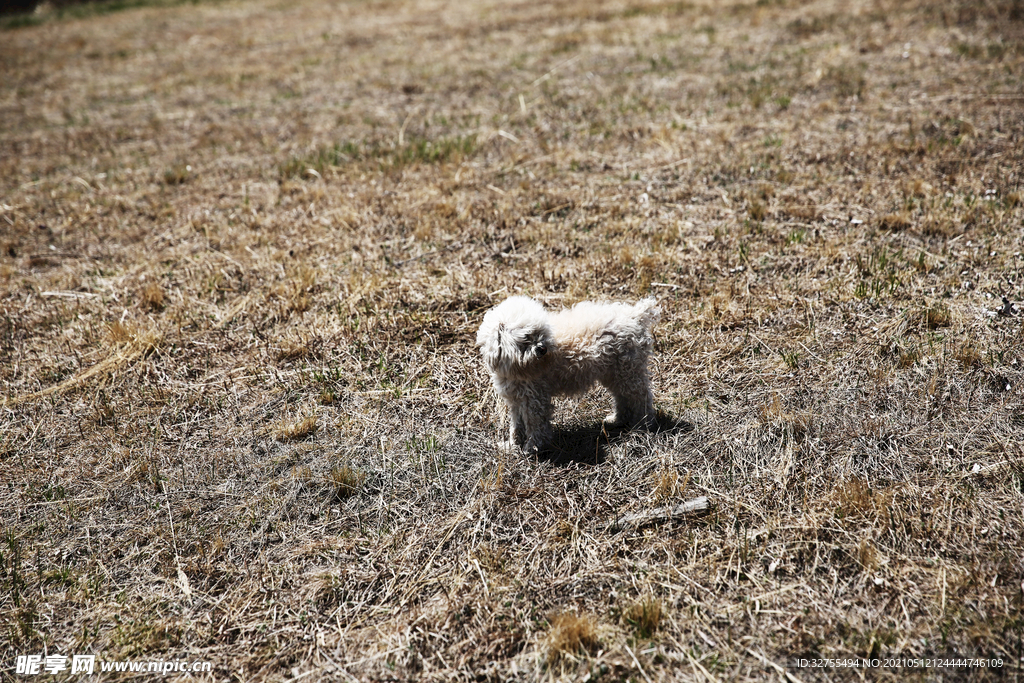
<point x="895" y="222"/>
<point x="296" y="431"/>
<point x="848" y="81"/>
<point x="667" y="485"/>
<point x="968" y="356"/>
<point x="644" y="617"/>
<point x="570" y="634"/>
<point x="345" y="481"/>
<point x="757" y="210"/>
<point x="936" y="316"/>
<point x="291" y="352"/>
<point x="177" y="174"/>
<point x="152" y="296"/>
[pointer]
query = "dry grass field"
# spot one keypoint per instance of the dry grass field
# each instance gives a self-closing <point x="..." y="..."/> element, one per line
<point x="246" y="247"/>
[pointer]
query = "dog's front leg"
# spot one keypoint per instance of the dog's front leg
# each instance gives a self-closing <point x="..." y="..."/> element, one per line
<point x="537" y="419"/>
<point x="517" y="429"/>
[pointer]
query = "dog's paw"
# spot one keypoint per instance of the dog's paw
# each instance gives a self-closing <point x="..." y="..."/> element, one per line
<point x="612" y="421"/>
<point x="534" y="446"/>
<point x="615" y="421"/>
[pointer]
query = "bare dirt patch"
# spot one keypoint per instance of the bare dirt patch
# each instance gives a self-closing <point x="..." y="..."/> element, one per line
<point x="245" y="247"/>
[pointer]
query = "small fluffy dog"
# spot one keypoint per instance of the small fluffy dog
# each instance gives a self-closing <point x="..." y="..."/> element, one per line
<point x="533" y="355"/>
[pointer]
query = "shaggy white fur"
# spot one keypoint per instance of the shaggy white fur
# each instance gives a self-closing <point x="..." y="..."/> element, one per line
<point x="533" y="355"/>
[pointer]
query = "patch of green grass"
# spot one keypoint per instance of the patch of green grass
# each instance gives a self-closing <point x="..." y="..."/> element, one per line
<point x="321" y="159"/>
<point x="60" y="577"/>
<point x="134" y="636"/>
<point x="847" y="81"/>
<point x="436" y="151"/>
<point x="414" y="150"/>
<point x="424" y="444"/>
<point x="993" y="51"/>
<point x="10" y="563"/>
<point x="791" y="359"/>
<point x="878" y="274"/>
<point x="654" y="9"/>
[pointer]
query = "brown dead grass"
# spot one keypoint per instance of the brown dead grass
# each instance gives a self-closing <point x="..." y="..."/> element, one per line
<point x="346" y="481"/>
<point x="644" y="617"/>
<point x="296" y="430"/>
<point x="571" y="634"/>
<point x="246" y="248"/>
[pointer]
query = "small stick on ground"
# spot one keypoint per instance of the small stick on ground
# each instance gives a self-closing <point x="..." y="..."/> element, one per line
<point x="694" y="507"/>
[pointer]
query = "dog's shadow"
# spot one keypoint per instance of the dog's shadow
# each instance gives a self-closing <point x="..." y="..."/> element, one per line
<point x="588" y="444"/>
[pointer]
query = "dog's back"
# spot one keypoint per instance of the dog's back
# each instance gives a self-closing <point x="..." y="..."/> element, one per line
<point x="588" y="320"/>
<point x="648" y="313"/>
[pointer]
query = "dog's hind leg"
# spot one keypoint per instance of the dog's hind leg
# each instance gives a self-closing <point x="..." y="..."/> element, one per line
<point x="633" y="397"/>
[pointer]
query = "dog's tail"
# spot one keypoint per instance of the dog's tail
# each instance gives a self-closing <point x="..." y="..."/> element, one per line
<point x="647" y="313"/>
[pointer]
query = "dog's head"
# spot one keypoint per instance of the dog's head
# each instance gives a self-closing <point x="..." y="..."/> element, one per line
<point x="515" y="336"/>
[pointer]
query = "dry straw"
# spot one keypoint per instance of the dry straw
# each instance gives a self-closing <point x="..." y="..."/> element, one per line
<point x="245" y="248"/>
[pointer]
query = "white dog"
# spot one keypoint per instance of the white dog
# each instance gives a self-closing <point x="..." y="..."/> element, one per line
<point x="534" y="355"/>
